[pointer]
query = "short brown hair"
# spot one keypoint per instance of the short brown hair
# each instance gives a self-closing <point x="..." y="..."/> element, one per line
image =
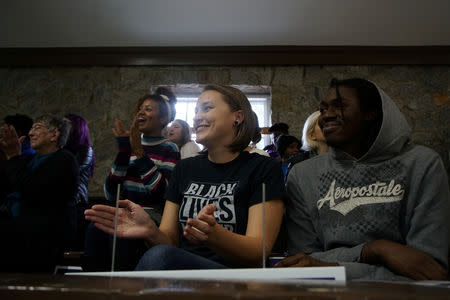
<point x="237" y="100"/>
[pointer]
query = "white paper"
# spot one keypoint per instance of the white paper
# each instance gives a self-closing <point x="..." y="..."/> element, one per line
<point x="331" y="274"/>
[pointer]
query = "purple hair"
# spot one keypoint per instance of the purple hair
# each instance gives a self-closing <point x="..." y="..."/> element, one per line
<point x="79" y="136"/>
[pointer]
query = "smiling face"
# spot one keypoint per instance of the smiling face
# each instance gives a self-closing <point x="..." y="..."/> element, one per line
<point x="213" y="121"/>
<point x="291" y="150"/>
<point x="317" y="134"/>
<point x="343" y="123"/>
<point x="175" y="133"/>
<point x="148" y="119"/>
<point x="43" y="139"/>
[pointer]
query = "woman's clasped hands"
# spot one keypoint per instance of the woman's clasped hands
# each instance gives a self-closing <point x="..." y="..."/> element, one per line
<point x="201" y="229"/>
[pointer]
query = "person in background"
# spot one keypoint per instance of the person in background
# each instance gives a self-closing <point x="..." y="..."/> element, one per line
<point x="375" y="202"/>
<point x="145" y="158"/>
<point x="255" y="139"/>
<point x="276" y="131"/>
<point x="80" y="145"/>
<point x="288" y="146"/>
<point x="213" y="213"/>
<point x="143" y="167"/>
<point x="180" y="133"/>
<point x="22" y="124"/>
<point x="313" y="141"/>
<point x="2" y="157"/>
<point x="37" y="197"/>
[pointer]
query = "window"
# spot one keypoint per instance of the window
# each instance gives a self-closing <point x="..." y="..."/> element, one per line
<point x="259" y="97"/>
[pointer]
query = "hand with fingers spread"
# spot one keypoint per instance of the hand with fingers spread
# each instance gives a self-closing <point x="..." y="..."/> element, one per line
<point x="10" y="143"/>
<point x="135" y="139"/>
<point x="198" y="230"/>
<point x="132" y="220"/>
<point x="302" y="260"/>
<point x="119" y="130"/>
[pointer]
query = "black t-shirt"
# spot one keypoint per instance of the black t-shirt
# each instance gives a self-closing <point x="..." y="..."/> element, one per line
<point x="233" y="187"/>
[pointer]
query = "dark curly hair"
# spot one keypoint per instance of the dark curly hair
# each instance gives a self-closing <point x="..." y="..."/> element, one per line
<point x="163" y="104"/>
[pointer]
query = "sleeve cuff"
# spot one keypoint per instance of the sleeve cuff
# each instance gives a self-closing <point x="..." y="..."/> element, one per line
<point x="342" y="254"/>
<point x="123" y="142"/>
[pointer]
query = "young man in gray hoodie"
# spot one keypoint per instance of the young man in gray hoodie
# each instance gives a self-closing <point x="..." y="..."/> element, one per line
<point x="375" y="203"/>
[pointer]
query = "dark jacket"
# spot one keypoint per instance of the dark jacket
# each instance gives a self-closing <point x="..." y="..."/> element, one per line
<point x="85" y="160"/>
<point x="38" y="219"/>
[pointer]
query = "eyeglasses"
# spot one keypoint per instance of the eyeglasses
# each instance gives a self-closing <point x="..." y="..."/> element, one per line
<point x="39" y="127"/>
<point x="36" y="127"/>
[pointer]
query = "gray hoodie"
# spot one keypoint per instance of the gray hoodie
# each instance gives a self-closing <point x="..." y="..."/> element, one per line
<point x="396" y="191"/>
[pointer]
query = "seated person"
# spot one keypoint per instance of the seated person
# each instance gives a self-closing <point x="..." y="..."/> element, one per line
<point x="37" y="196"/>
<point x="180" y="133"/>
<point x="79" y="144"/>
<point x="143" y="166"/>
<point x="2" y="157"/>
<point x="22" y="124"/>
<point x="213" y="213"/>
<point x="276" y="130"/>
<point x="145" y="158"/>
<point x="288" y="147"/>
<point x="375" y="203"/>
<point x="255" y="139"/>
<point x="313" y="141"/>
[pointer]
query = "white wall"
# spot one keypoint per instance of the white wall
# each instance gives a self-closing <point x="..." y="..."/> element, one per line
<point x="81" y="23"/>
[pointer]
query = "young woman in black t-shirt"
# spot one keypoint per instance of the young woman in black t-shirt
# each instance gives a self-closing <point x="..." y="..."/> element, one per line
<point x="213" y="213"/>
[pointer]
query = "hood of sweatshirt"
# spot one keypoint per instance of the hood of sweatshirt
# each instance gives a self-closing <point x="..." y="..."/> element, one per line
<point x="393" y="136"/>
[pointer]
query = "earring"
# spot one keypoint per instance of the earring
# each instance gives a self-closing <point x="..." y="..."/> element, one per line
<point x="235" y="123"/>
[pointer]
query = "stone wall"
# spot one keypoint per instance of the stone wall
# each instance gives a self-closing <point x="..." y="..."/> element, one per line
<point x="100" y="94"/>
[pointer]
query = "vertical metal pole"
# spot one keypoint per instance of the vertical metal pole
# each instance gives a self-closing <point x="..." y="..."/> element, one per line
<point x="115" y="229"/>
<point x="264" y="225"/>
